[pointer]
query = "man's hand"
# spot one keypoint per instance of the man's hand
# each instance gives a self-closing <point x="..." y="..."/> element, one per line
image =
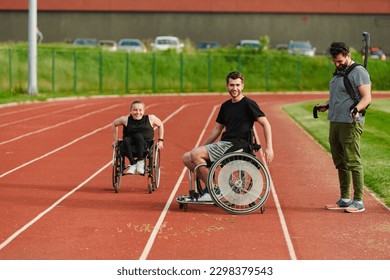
<point x="319" y="107"/>
<point x="355" y="113"/>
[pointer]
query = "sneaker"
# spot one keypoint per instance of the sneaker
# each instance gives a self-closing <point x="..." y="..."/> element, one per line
<point x="355" y="207"/>
<point x="132" y="169"/>
<point x="206" y="197"/>
<point x="339" y="205"/>
<point x="141" y="167"/>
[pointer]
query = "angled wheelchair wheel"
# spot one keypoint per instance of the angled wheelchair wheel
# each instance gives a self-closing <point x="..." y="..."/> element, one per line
<point x="117" y="166"/>
<point x="156" y="168"/>
<point x="239" y="183"/>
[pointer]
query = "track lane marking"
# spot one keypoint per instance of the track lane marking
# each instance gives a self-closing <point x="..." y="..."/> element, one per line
<point x="40" y="215"/>
<point x="282" y="220"/>
<point x="43" y="213"/>
<point x="59" y="124"/>
<point x="160" y="220"/>
<point x="44" y="115"/>
<point x="22" y="110"/>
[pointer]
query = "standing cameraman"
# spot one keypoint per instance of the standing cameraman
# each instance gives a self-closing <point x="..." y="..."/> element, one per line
<point x="346" y="126"/>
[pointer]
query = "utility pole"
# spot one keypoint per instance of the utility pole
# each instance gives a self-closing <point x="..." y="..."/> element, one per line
<point x="32" y="48"/>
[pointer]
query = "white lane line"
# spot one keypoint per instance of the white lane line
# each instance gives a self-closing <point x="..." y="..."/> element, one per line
<point x="23" y="110"/>
<point x="160" y="220"/>
<point x="39" y="216"/>
<point x="59" y="124"/>
<point x="54" y="151"/>
<point x="278" y="208"/>
<point x="60" y="148"/>
<point x="43" y="115"/>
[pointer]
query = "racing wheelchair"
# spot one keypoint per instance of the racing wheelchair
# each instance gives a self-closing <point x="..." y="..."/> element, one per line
<point x="238" y="182"/>
<point x="152" y="166"/>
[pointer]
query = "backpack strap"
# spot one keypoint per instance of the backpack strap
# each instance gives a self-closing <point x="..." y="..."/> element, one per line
<point x="348" y="85"/>
<point x="347" y="82"/>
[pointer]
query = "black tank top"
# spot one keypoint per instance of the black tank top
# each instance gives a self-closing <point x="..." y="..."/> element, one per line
<point x="139" y="126"/>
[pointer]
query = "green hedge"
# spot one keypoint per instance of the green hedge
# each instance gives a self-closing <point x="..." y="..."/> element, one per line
<point x="67" y="70"/>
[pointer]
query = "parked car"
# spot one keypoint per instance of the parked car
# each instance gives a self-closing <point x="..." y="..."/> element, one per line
<point x="108" y="45"/>
<point x="207" y="45"/>
<point x="248" y="44"/>
<point x="282" y="47"/>
<point x="375" y="53"/>
<point x="163" y="43"/>
<point x="131" y="45"/>
<point x="301" y="47"/>
<point x="85" y="42"/>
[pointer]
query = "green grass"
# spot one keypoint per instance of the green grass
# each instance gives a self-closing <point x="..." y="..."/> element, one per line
<point x="67" y="70"/>
<point x="375" y="141"/>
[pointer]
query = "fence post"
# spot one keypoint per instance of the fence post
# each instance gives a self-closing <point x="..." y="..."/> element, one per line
<point x="181" y="72"/>
<point x="101" y="71"/>
<point x="10" y="70"/>
<point x="127" y="73"/>
<point x="267" y="73"/>
<point x="75" y="72"/>
<point x="154" y="72"/>
<point x="209" y="67"/>
<point x="239" y="63"/>
<point x="299" y="66"/>
<point x="53" y="54"/>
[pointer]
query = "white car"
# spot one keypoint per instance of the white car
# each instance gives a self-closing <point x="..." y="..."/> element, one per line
<point x="248" y="44"/>
<point x="163" y="43"/>
<point x="131" y="45"/>
<point x="301" y="47"/>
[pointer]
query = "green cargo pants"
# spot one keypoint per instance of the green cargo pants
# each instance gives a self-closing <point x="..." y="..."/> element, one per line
<point x="344" y="139"/>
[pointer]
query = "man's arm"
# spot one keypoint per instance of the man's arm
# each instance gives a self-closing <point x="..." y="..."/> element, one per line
<point x="269" y="152"/>
<point x="365" y="92"/>
<point x="217" y="130"/>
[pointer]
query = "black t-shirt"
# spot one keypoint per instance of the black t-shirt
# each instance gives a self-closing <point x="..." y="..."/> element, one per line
<point x="238" y="118"/>
<point x="139" y="126"/>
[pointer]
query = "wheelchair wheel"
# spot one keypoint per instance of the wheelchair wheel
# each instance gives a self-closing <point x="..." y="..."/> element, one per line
<point x="156" y="168"/>
<point x="117" y="166"/>
<point x="239" y="183"/>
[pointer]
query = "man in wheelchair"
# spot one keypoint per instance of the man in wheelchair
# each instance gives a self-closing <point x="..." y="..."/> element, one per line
<point x="235" y="121"/>
<point x="138" y="135"/>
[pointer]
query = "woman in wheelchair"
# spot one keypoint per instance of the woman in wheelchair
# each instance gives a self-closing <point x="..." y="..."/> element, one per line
<point x="235" y="119"/>
<point x="138" y="135"/>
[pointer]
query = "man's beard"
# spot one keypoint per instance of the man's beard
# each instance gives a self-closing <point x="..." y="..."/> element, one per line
<point x="235" y="94"/>
<point x="342" y="67"/>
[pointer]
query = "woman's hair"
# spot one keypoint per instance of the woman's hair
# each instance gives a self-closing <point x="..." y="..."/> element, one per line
<point x="136" y="102"/>
<point x="234" y="75"/>
<point x="337" y="48"/>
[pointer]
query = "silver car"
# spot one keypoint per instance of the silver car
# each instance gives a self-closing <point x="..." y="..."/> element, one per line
<point x="301" y="47"/>
<point x="163" y="43"/>
<point x="131" y="45"/>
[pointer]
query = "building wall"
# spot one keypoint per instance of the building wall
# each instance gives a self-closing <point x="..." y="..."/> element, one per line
<point x="209" y="6"/>
<point x="225" y="28"/>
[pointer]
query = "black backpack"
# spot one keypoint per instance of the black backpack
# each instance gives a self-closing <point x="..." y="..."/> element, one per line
<point x="348" y="86"/>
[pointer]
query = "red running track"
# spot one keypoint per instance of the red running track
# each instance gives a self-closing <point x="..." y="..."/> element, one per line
<point x="57" y="201"/>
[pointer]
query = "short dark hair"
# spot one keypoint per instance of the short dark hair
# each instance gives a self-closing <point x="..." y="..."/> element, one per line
<point x="234" y="75"/>
<point x="337" y="48"/>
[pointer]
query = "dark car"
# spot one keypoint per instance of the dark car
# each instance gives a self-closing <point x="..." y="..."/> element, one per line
<point x="207" y="45"/>
<point x="85" y="42"/>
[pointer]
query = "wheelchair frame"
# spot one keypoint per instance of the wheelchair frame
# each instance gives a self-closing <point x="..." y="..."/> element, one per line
<point x="152" y="167"/>
<point x="238" y="183"/>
